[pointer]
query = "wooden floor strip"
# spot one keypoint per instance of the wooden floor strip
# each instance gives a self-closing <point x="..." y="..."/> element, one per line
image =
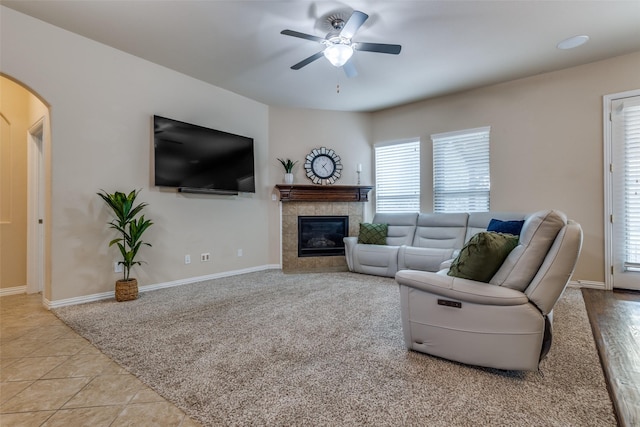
<point x="615" y="322"/>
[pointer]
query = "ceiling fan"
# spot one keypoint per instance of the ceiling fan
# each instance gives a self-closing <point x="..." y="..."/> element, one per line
<point x="338" y="46"/>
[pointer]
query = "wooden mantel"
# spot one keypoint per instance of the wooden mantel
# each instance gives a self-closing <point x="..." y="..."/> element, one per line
<point x="323" y="193"/>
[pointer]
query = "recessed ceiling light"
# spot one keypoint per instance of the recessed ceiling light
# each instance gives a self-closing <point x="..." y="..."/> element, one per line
<point x="572" y="42"/>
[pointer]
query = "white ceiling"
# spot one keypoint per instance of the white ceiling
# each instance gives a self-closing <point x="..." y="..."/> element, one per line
<point x="447" y="46"/>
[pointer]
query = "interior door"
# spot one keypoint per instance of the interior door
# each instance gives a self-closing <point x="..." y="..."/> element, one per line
<point x="35" y="215"/>
<point x="625" y="192"/>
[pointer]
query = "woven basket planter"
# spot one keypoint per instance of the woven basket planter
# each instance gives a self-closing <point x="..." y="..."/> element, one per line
<point x="126" y="290"/>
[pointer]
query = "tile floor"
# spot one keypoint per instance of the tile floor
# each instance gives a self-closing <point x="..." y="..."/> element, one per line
<point x="51" y="376"/>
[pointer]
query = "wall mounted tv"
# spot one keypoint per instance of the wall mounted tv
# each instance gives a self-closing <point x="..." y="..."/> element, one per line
<point x="201" y="160"/>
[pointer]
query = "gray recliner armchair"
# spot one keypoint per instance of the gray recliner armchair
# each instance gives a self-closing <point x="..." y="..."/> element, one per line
<point x="506" y="323"/>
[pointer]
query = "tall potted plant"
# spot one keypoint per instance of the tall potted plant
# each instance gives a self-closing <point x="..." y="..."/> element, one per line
<point x="288" y="168"/>
<point x="130" y="230"/>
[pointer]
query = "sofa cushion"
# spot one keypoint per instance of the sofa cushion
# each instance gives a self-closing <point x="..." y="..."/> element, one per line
<point x="424" y="259"/>
<point x="402" y="226"/>
<point x="438" y="230"/>
<point x="379" y="260"/>
<point x="482" y="256"/>
<point x="508" y="227"/>
<point x="538" y="234"/>
<point x="373" y="234"/>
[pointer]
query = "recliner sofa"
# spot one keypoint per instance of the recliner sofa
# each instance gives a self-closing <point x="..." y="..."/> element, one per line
<point x="418" y="241"/>
<point x="505" y="323"/>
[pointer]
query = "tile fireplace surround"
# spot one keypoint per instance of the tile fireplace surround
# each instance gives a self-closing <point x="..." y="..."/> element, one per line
<point x="317" y="200"/>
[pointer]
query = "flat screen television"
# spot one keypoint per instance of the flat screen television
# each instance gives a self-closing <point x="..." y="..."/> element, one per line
<point x="198" y="159"/>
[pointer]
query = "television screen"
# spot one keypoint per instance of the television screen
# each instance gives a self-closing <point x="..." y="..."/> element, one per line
<point x="194" y="157"/>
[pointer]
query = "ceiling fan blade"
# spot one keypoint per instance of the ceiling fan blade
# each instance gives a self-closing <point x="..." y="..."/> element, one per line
<point x="353" y="24"/>
<point x="307" y="61"/>
<point x="301" y="35"/>
<point x="350" y="69"/>
<point x="392" y="49"/>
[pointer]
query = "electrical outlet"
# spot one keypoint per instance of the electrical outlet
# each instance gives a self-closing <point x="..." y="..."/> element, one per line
<point x="187" y="259"/>
<point x="205" y="257"/>
<point x="239" y="252"/>
<point x="117" y="267"/>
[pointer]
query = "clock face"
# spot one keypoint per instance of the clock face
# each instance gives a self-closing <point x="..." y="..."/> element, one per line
<point x="323" y="166"/>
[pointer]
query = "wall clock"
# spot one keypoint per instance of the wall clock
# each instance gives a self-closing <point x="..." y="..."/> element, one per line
<point x="323" y="166"/>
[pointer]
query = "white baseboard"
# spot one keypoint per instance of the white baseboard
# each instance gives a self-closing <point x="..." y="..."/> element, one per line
<point x="76" y="300"/>
<point x="587" y="284"/>
<point x="147" y="288"/>
<point x="13" y="291"/>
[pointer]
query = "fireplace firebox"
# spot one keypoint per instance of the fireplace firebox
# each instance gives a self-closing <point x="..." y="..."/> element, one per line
<point x="322" y="235"/>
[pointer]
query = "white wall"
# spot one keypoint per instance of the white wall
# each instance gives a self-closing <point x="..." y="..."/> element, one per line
<point x="102" y="101"/>
<point x="546" y="142"/>
<point x="293" y="133"/>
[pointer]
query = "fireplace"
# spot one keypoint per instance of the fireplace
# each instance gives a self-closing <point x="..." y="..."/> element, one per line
<point x="318" y="200"/>
<point x="322" y="235"/>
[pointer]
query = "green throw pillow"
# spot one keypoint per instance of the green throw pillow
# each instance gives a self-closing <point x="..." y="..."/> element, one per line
<point x="373" y="234"/>
<point x="482" y="256"/>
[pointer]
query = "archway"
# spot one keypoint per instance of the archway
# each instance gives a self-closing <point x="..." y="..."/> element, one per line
<point x="25" y="171"/>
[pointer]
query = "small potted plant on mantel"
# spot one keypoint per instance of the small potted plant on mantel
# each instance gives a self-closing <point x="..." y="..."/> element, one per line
<point x="129" y="242"/>
<point x="288" y="168"/>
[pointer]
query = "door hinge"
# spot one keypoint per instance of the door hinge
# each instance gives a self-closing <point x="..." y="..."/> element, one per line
<point x="611" y="218"/>
<point x="612" y="270"/>
<point x="611" y="167"/>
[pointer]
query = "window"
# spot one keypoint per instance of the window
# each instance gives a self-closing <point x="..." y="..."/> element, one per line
<point x="632" y="186"/>
<point x="398" y="177"/>
<point x="461" y="171"/>
<point x="622" y="189"/>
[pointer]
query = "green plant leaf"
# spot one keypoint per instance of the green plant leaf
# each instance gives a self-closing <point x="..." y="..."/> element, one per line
<point x="287" y="164"/>
<point x="127" y="226"/>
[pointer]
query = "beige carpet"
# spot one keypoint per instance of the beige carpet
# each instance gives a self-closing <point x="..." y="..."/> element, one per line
<point x="270" y="348"/>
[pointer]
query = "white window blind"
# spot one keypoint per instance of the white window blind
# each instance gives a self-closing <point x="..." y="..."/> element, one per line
<point x="632" y="187"/>
<point x="461" y="181"/>
<point x="398" y="177"/>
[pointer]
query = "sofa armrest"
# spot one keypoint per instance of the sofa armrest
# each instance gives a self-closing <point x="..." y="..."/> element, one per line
<point x="349" y="244"/>
<point x="460" y="289"/>
<point x="350" y="241"/>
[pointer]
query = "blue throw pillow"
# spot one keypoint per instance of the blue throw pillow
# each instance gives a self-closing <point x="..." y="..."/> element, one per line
<point x="507" y="227"/>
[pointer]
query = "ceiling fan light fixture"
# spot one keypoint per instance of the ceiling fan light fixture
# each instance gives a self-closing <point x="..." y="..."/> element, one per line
<point x="338" y="54"/>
